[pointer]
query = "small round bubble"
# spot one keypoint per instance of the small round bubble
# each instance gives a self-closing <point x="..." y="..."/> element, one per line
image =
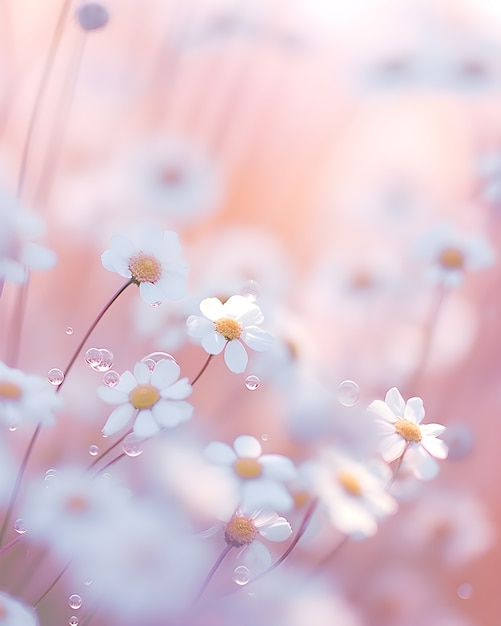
<point x="12" y="428"/>
<point x="348" y="393"/>
<point x="75" y="601"/>
<point x="93" y="357"/>
<point x="20" y="526"/>
<point x="69" y="330"/>
<point x="154" y="357"/>
<point x="105" y="362"/>
<point x="92" y="16"/>
<point x="132" y="446"/>
<point x="93" y="450"/>
<point x="251" y="290"/>
<point x="73" y="621"/>
<point x="155" y="304"/>
<point x="465" y="591"/>
<point x="55" y="376"/>
<point x="252" y="382"/>
<point x="264" y="437"/>
<point x="241" y="575"/>
<point x="111" y="378"/>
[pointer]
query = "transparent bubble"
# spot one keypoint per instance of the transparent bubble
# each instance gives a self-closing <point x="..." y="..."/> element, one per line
<point x="156" y="304"/>
<point x="252" y="382"/>
<point x="55" y="376"/>
<point x="92" y="16"/>
<point x="348" y="393"/>
<point x="73" y="621"/>
<point x="20" y="526"/>
<point x="93" y="357"/>
<point x="459" y="440"/>
<point x="241" y="575"/>
<point x="465" y="591"/>
<point x="88" y="582"/>
<point x="264" y="437"/>
<point x="75" y="601"/>
<point x="150" y="363"/>
<point x="105" y="362"/>
<point x="69" y="330"/>
<point x="153" y="358"/>
<point x="251" y="290"/>
<point x="50" y="475"/>
<point x="132" y="446"/>
<point x="111" y="378"/>
<point x="93" y="450"/>
<point x="12" y="428"/>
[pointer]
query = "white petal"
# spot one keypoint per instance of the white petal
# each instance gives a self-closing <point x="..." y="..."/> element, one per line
<point x="122" y="246"/>
<point x="114" y="263"/>
<point x="392" y="447"/>
<point x="432" y="430"/>
<point x="235" y="357"/>
<point x="118" y="419"/>
<point x="38" y="257"/>
<point x="166" y="372"/>
<point x="213" y="343"/>
<point x="210" y="531"/>
<point x="256" y="557"/>
<point x="414" y="410"/>
<point x="266" y="493"/>
<point x="126" y="383"/>
<point x="199" y="326"/>
<point x="236" y="306"/>
<point x="395" y="402"/>
<point x="423" y="464"/>
<point x="257" y="338"/>
<point x="382" y="410"/>
<point x="145" y="425"/>
<point x="152" y="240"/>
<point x="212" y="308"/>
<point x="279" y="531"/>
<point x="219" y="452"/>
<point x="436" y="447"/>
<point x="112" y="395"/>
<point x="179" y="391"/>
<point x="142" y="373"/>
<point x="252" y="317"/>
<point x="150" y="293"/>
<point x="171" y="413"/>
<point x="278" y="467"/>
<point x="247" y="447"/>
<point x="173" y="283"/>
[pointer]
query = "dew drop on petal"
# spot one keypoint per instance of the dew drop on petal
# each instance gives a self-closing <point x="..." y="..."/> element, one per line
<point x="105" y="362"/>
<point x="155" y="304"/>
<point x="111" y="378"/>
<point x="55" y="376"/>
<point x="150" y="363"/>
<point x="241" y="575"/>
<point x="251" y="290"/>
<point x="20" y="526"/>
<point x="154" y="357"/>
<point x="132" y="446"/>
<point x="69" y="330"/>
<point x="93" y="450"/>
<point x="75" y="601"/>
<point x="252" y="382"/>
<point x="73" y="621"/>
<point x="348" y="393"/>
<point x="465" y="591"/>
<point x="93" y="357"/>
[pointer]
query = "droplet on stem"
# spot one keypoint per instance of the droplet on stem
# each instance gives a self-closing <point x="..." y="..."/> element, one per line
<point x="93" y="450"/>
<point x="20" y="526"/>
<point x="73" y="621"/>
<point x="241" y="575"/>
<point x="75" y="601"/>
<point x="132" y="446"/>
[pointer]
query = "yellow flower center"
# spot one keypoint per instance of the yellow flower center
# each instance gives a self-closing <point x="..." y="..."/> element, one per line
<point x="9" y="391"/>
<point x="240" y="531"/>
<point x="451" y="259"/>
<point x="349" y="483"/>
<point x="145" y="268"/>
<point x="77" y="503"/>
<point x="248" y="468"/>
<point x="229" y="328"/>
<point x="408" y="430"/>
<point x="144" y="396"/>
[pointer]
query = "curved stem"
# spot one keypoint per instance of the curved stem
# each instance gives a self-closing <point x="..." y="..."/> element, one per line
<point x="113" y="461"/>
<point x="19" y="479"/>
<point x="212" y="571"/>
<point x="10" y="544"/>
<point x="106" y="452"/>
<point x="205" y="366"/>
<point x="92" y="326"/>
<point x="14" y="336"/>
<point x="52" y="585"/>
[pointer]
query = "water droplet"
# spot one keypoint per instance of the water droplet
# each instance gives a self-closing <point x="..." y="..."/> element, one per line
<point x="20" y="526"/>
<point x="459" y="440"/>
<point x="252" y="382"/>
<point x="241" y="575"/>
<point x="55" y="376"/>
<point x="111" y="378"/>
<point x="132" y="446"/>
<point x="465" y="591"/>
<point x="251" y="290"/>
<point x="93" y="450"/>
<point x="264" y="437"/>
<point x="348" y="393"/>
<point x="75" y="601"/>
<point x="106" y="360"/>
<point x="69" y="330"/>
<point x="50" y="475"/>
<point x="104" y="436"/>
<point x="73" y="621"/>
<point x="12" y="428"/>
<point x="153" y="358"/>
<point x="88" y="582"/>
<point x="93" y="357"/>
<point x="155" y="304"/>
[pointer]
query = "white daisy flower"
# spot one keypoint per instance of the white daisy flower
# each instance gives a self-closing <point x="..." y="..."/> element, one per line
<point x="258" y="478"/>
<point x="14" y="613"/>
<point x="226" y="326"/>
<point x="451" y="254"/>
<point x="398" y="425"/>
<point x="26" y="398"/>
<point x="155" y="400"/>
<point x="17" y="252"/>
<point x="156" y="265"/>
<point x="353" y="493"/>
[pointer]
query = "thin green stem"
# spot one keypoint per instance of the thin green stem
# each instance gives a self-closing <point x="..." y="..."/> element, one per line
<point x="205" y="366"/>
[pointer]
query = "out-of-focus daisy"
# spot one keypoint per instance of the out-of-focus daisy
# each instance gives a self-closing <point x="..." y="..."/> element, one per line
<point x="226" y="326"/>
<point x="244" y="529"/>
<point x="451" y="254"/>
<point x="26" y="398"/>
<point x="398" y="426"/>
<point x="14" y="613"/>
<point x="353" y="493"/>
<point x="156" y="264"/>
<point x="155" y="400"/>
<point x="259" y="478"/>
<point x="17" y="252"/>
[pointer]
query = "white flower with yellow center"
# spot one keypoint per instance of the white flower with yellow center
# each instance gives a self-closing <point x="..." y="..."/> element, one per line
<point x="353" y="493"/>
<point x="227" y="326"/>
<point x="401" y="433"/>
<point x="156" y="265"/>
<point x="14" y="613"/>
<point x="258" y="478"/>
<point x="155" y="400"/>
<point x="26" y="398"/>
